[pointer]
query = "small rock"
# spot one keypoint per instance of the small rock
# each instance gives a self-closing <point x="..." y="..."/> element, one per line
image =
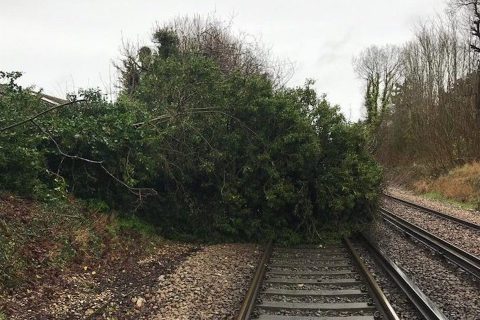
<point x="89" y="312"/>
<point x="140" y="302"/>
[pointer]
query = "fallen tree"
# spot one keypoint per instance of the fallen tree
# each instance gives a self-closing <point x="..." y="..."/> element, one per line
<point x="206" y="151"/>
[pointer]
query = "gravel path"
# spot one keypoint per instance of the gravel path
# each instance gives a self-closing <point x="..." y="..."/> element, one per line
<point x="456" y="293"/>
<point x="462" y="236"/>
<point x="210" y="284"/>
<point x="468" y="215"/>
<point x="400" y="303"/>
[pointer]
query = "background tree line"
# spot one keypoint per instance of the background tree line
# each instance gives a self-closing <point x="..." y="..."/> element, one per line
<point x="422" y="98"/>
<point x="204" y="141"/>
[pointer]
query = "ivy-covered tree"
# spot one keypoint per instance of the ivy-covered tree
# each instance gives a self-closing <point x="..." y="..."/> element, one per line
<point x="380" y="68"/>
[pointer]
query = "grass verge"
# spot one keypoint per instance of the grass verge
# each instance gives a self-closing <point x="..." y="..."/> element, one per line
<point x="441" y="198"/>
<point x="460" y="186"/>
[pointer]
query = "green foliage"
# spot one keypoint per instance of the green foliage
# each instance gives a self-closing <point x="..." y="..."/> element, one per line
<point x="22" y="163"/>
<point x="97" y="205"/>
<point x="230" y="156"/>
<point x="240" y="160"/>
<point x="133" y="224"/>
<point x="463" y="205"/>
<point x="167" y="42"/>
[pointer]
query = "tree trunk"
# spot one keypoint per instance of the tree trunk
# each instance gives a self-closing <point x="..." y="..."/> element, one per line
<point x="477" y="99"/>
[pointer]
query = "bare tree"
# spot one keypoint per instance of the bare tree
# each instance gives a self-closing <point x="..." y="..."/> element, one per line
<point x="380" y="68"/>
<point x="207" y="36"/>
<point x="232" y="51"/>
<point x="433" y="115"/>
<point x="471" y="8"/>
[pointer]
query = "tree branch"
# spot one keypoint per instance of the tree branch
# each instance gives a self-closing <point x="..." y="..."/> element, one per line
<point x="40" y="114"/>
<point x="136" y="191"/>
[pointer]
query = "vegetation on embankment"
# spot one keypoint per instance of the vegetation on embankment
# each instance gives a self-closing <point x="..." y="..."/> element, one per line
<point x="203" y="142"/>
<point x="40" y="240"/>
<point x="461" y="185"/>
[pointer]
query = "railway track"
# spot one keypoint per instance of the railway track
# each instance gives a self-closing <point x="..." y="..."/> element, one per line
<point x="434" y="212"/>
<point x="453" y="253"/>
<point x="332" y="283"/>
<point x="329" y="283"/>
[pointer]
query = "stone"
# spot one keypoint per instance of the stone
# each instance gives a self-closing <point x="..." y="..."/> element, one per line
<point x="140" y="303"/>
<point x="89" y="312"/>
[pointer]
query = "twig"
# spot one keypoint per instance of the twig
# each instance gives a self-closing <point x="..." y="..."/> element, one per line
<point x="131" y="189"/>
<point x="60" y="150"/>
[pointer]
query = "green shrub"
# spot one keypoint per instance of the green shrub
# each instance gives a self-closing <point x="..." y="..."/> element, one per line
<point x="262" y="163"/>
<point x="22" y="165"/>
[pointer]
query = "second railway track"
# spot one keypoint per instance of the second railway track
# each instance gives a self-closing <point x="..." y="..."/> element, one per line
<point x="460" y="257"/>
<point x="433" y="212"/>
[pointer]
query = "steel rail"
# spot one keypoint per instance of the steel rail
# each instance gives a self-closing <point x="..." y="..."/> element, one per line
<point x="381" y="300"/>
<point x="460" y="257"/>
<point x="434" y="212"/>
<point x="252" y="293"/>
<point x="423" y="304"/>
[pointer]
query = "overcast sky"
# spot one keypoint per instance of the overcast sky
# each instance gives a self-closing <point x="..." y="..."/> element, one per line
<point x="63" y="45"/>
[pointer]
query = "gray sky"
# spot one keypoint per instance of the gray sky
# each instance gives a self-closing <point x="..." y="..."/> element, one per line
<point x="63" y="45"/>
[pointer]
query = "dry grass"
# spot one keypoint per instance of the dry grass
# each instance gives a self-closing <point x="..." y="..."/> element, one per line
<point x="81" y="240"/>
<point x="422" y="186"/>
<point x="460" y="184"/>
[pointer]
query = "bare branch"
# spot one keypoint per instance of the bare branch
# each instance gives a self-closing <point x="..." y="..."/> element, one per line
<point x="40" y="114"/>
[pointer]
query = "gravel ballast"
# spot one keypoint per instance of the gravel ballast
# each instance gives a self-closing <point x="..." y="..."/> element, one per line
<point x="455" y="233"/>
<point x="210" y="284"/>
<point x="177" y="281"/>
<point x="455" y="292"/>
<point x="104" y="292"/>
<point x="468" y="215"/>
<point x="398" y="300"/>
